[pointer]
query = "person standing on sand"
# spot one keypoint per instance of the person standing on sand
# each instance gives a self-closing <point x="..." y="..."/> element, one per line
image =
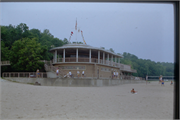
<point x="160" y="79"/>
<point x="171" y="82"/>
<point x="162" y="84"/>
<point x="57" y="72"/>
<point x="37" y="72"/>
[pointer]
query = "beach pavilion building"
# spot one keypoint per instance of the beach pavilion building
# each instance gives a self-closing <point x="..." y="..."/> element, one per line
<point x="95" y="62"/>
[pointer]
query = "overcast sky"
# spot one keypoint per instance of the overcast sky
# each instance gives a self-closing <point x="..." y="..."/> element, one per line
<point x="145" y="30"/>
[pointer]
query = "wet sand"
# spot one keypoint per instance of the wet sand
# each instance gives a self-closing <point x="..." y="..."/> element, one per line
<point x="23" y="101"/>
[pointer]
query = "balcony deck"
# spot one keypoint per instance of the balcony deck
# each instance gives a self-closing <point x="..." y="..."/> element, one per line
<point x="122" y="67"/>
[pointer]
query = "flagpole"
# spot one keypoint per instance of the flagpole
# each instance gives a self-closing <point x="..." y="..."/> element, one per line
<point x="76" y="30"/>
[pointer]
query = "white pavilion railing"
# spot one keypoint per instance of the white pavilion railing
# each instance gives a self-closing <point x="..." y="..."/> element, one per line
<point x="5" y="63"/>
<point x="24" y="74"/>
<point x="93" y="60"/>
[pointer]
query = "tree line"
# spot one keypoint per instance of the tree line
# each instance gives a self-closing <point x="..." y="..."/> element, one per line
<point x="147" y="67"/>
<point x="24" y="48"/>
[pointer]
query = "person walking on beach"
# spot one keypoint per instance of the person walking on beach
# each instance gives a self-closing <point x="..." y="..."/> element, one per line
<point x="57" y="72"/>
<point x="160" y="79"/>
<point x="37" y="72"/>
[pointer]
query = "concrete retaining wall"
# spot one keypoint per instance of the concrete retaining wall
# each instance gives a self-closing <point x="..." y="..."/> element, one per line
<point x="72" y="82"/>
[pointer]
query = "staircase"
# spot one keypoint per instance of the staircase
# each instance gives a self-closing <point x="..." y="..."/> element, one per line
<point x="51" y="70"/>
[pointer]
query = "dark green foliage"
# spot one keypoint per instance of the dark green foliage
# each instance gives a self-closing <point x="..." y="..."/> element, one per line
<point x="25" y="55"/>
<point x="149" y="67"/>
<point x="111" y="50"/>
<point x="24" y="47"/>
<point x="4" y="52"/>
<point x="65" y="41"/>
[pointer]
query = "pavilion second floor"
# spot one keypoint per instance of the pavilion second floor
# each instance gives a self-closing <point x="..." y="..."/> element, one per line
<point x="110" y="63"/>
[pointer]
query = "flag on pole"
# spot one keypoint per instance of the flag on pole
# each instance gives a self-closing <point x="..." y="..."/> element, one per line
<point x="76" y="25"/>
<point x="71" y="33"/>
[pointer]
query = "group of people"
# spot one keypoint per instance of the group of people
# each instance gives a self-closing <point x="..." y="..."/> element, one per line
<point x="162" y="81"/>
<point x="115" y="74"/>
<point x="78" y="74"/>
<point x="69" y="74"/>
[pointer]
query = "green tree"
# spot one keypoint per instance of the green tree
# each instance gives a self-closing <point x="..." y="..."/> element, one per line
<point x="35" y="33"/>
<point x="56" y="42"/>
<point x="25" y="55"/>
<point x="4" y="52"/>
<point x="111" y="50"/>
<point x="65" y="41"/>
<point x="102" y="47"/>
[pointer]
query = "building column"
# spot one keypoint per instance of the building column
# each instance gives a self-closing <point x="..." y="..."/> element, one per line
<point x="89" y="55"/>
<point x="64" y="55"/>
<point x="111" y="60"/>
<point x="55" y="56"/>
<point x="108" y="58"/>
<point x="77" y="55"/>
<point x="98" y="56"/>
<point x="103" y="57"/>
<point x="119" y="61"/>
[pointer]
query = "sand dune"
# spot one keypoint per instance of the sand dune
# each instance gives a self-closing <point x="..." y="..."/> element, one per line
<point x="22" y="101"/>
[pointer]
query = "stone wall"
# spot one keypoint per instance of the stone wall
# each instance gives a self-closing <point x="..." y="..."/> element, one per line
<point x="69" y="82"/>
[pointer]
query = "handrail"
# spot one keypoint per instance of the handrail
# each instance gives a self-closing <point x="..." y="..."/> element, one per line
<point x="25" y="74"/>
<point x="94" y="60"/>
<point x="5" y="62"/>
<point x="53" y="69"/>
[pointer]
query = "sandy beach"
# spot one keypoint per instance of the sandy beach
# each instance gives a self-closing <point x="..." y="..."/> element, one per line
<point x="23" y="101"/>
